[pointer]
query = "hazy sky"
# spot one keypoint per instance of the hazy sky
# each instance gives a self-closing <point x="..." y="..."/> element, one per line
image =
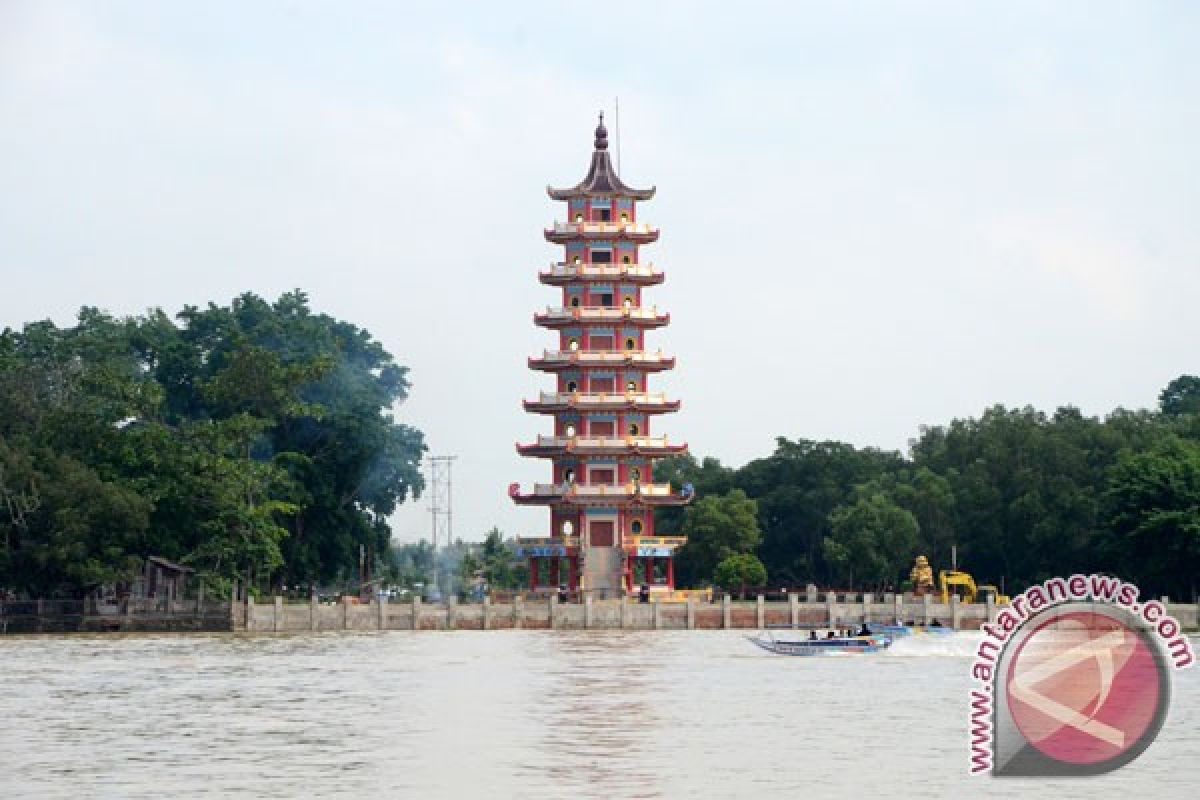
<point x="874" y="215"/>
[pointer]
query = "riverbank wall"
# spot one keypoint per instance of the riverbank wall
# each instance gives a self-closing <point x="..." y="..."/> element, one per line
<point x="828" y="610"/>
<point x="132" y="616"/>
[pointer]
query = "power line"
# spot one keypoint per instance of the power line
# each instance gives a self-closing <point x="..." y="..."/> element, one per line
<point x="441" y="508"/>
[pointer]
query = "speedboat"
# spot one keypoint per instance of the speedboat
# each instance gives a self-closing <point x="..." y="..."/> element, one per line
<point x="874" y="643"/>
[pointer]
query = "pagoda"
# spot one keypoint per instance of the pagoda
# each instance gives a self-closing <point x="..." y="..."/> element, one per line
<point x="602" y="492"/>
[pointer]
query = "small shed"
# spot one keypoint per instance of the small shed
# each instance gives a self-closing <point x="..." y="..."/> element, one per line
<point x="165" y="579"/>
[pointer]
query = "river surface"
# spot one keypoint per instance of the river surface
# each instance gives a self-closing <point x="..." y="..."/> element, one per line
<point x="513" y="714"/>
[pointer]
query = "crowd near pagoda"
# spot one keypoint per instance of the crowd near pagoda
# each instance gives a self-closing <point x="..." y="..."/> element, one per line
<point x="602" y="493"/>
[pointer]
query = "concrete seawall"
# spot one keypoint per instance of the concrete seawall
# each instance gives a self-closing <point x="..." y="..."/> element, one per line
<point x="546" y="613"/>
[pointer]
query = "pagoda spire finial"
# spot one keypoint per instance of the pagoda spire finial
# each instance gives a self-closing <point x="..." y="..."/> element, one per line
<point x="601" y="134"/>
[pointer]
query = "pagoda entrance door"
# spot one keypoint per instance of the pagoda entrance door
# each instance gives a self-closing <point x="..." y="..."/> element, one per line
<point x="602" y="568"/>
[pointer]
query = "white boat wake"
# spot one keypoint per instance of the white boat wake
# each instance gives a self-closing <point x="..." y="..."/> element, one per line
<point x="961" y="644"/>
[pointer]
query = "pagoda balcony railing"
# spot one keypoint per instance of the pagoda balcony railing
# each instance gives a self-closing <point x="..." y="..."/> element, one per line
<point x="602" y="490"/>
<point x="605" y="399"/>
<point x="655" y="541"/>
<point x="606" y="357"/>
<point x="603" y="227"/>
<point x="550" y="541"/>
<point x="578" y="494"/>
<point x="602" y="271"/>
<point x="604" y="442"/>
<point x="602" y="314"/>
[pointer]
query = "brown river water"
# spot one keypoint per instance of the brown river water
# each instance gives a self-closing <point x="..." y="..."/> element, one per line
<point x="699" y="714"/>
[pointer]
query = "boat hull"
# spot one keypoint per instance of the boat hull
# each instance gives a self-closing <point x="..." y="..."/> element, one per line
<point x="822" y="647"/>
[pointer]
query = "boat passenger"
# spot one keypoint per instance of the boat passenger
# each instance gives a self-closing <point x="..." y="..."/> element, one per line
<point x="864" y="630"/>
<point x="812" y="635"/>
<point x="830" y="635"/>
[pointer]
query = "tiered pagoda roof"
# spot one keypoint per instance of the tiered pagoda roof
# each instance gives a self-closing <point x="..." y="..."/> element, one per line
<point x="601" y="178"/>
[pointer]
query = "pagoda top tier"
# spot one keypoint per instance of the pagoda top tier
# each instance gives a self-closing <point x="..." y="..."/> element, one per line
<point x="601" y="179"/>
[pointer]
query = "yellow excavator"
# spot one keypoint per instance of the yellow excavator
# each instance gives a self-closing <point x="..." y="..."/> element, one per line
<point x="962" y="584"/>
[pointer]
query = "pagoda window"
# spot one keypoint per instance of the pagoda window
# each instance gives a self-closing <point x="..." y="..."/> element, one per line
<point x="627" y="303"/>
<point x="572" y="344"/>
<point x="602" y="342"/>
<point x="572" y="386"/>
<point x="576" y="261"/>
<point x="603" y="477"/>
<point x="579" y="217"/>
<point x="636" y="527"/>
<point x="567" y="528"/>
<point x="630" y="343"/>
<point x="624" y="217"/>
<point x="631" y="386"/>
<point x="606" y="299"/>
<point x="603" y="214"/>
<point x="575" y="301"/>
<point x="602" y="256"/>
<point x="606" y="428"/>
<point x="569" y="431"/>
<point x="603" y="384"/>
<point x="635" y="429"/>
<point x="635" y="475"/>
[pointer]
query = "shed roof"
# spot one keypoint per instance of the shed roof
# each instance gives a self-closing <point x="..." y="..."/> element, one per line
<point x="168" y="565"/>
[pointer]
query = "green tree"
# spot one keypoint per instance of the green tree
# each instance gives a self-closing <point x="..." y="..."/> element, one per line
<point x="255" y="440"/>
<point x="499" y="560"/>
<point x="871" y="541"/>
<point x="241" y="532"/>
<point x="81" y="533"/>
<point x="742" y="570"/>
<point x="717" y="526"/>
<point x="327" y="390"/>
<point x="796" y="488"/>
<point x="708" y="477"/>
<point x="1027" y="487"/>
<point x="1181" y="396"/>
<point x="1154" y="512"/>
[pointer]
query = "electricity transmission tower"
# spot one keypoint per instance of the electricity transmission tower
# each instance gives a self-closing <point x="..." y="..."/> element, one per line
<point x="441" y="509"/>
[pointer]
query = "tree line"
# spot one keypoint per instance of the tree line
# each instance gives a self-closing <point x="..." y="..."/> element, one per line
<point x="252" y="441"/>
<point x="256" y="441"/>
<point x="1022" y="494"/>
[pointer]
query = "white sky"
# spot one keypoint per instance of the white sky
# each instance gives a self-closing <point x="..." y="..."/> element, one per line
<point x="874" y="215"/>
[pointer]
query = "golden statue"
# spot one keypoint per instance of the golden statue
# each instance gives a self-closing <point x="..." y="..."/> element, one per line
<point x="921" y="576"/>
